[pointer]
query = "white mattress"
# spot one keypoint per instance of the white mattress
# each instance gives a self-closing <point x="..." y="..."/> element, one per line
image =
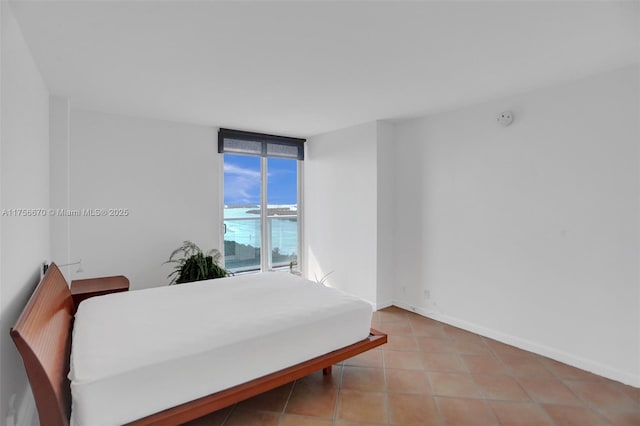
<point x="140" y="352"/>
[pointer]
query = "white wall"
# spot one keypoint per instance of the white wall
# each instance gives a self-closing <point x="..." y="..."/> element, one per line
<point x="59" y="140"/>
<point x="24" y="177"/>
<point x="386" y="210"/>
<point x="166" y="174"/>
<point x="340" y="223"/>
<point x="529" y="233"/>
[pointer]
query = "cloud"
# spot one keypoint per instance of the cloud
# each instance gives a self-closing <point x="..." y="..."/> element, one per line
<point x="241" y="185"/>
<point x="281" y="173"/>
<point x="232" y="169"/>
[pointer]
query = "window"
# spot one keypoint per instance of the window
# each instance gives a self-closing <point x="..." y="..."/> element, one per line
<point x="261" y="200"/>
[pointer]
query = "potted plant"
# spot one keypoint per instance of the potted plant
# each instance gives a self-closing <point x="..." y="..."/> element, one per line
<point x="191" y="264"/>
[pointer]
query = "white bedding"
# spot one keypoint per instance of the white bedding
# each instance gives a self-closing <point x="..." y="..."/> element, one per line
<point x="140" y="352"/>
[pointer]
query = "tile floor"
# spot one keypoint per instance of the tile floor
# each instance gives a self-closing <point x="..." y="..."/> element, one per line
<point x="430" y="373"/>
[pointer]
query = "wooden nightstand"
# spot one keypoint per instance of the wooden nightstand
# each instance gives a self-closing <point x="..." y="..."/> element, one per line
<point x="84" y="289"/>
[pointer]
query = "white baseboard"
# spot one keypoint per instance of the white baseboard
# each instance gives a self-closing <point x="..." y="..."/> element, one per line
<point x="417" y="309"/>
<point x="27" y="414"/>
<point x="540" y="349"/>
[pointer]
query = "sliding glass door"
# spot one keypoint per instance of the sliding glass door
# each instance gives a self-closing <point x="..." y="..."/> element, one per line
<point x="242" y="212"/>
<point x="261" y="212"/>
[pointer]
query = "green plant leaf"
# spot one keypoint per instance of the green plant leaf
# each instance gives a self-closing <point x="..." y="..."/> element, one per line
<point x="191" y="264"/>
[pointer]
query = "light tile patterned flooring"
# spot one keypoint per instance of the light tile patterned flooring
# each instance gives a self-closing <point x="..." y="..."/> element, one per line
<point x="430" y="373"/>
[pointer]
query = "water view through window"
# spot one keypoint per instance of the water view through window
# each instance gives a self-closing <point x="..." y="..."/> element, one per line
<point x="251" y="230"/>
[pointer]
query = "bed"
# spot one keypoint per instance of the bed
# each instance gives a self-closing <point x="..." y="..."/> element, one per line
<point x="117" y="369"/>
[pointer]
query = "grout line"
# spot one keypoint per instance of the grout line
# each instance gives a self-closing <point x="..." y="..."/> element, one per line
<point x="286" y="403"/>
<point x="601" y="411"/>
<point x="437" y="404"/>
<point x="541" y="408"/>
<point x="335" y="408"/>
<point x="434" y="397"/>
<point x="492" y="411"/>
<point x="386" y="393"/>
<point x="226" y="418"/>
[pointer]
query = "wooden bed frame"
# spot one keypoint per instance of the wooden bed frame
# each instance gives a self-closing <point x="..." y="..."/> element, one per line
<point x="42" y="335"/>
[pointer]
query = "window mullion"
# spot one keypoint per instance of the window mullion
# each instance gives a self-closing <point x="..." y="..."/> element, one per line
<point x="300" y="224"/>
<point x="265" y="249"/>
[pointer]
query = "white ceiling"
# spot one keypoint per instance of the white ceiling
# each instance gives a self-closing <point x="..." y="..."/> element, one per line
<point x="303" y="68"/>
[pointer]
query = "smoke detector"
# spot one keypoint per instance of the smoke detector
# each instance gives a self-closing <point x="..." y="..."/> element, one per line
<point x="505" y="118"/>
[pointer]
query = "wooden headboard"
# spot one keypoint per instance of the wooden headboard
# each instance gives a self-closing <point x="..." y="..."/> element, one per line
<point x="43" y="337"/>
